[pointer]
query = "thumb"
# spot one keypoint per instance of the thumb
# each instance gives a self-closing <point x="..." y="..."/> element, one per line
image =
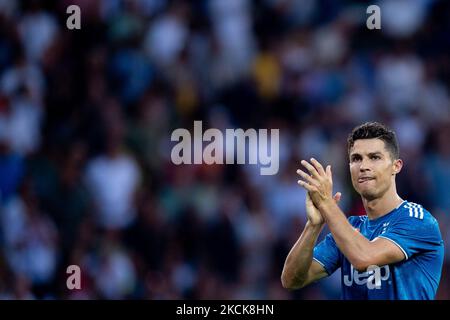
<point x="337" y="197"/>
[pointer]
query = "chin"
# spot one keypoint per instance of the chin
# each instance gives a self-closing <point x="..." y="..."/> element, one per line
<point x="369" y="194"/>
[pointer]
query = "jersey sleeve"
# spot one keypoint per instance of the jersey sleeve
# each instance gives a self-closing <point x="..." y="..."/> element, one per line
<point x="327" y="254"/>
<point x="414" y="235"/>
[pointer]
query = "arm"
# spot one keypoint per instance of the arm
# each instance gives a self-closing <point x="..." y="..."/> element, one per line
<point x="356" y="248"/>
<point x="299" y="268"/>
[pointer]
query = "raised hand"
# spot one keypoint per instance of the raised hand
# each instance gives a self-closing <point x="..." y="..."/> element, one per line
<point x="313" y="214"/>
<point x="319" y="183"/>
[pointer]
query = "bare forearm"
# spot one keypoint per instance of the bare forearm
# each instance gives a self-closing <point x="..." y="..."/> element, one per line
<point x="354" y="246"/>
<point x="298" y="261"/>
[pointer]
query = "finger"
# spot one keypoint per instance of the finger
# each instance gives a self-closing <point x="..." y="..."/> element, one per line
<point x="311" y="169"/>
<point x="307" y="186"/>
<point x="329" y="173"/>
<point x="307" y="177"/>
<point x="318" y="166"/>
<point x="337" y="196"/>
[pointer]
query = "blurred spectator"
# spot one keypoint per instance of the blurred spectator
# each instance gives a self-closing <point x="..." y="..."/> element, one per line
<point x="86" y="118"/>
<point x="21" y="123"/>
<point x="31" y="240"/>
<point x="402" y="18"/>
<point x="37" y="29"/>
<point x="112" y="269"/>
<point x="167" y="35"/>
<point x="23" y="77"/>
<point x="231" y="24"/>
<point x="400" y="77"/>
<point x="437" y="170"/>
<point x="12" y="169"/>
<point x="113" y="177"/>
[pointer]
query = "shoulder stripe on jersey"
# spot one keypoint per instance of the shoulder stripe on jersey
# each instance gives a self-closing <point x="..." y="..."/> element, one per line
<point x="413" y="205"/>
<point x="415" y="210"/>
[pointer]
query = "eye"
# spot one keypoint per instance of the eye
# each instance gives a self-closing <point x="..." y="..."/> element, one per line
<point x="355" y="159"/>
<point x="375" y="157"/>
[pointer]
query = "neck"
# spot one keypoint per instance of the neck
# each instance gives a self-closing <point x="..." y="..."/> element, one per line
<point x="376" y="208"/>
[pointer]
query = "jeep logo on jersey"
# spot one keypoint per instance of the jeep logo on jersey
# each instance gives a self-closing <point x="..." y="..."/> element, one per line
<point x="372" y="277"/>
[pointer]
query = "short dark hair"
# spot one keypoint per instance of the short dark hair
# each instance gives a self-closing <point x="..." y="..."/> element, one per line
<point x="375" y="130"/>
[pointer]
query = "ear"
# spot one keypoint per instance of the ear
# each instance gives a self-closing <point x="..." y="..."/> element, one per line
<point x="397" y="166"/>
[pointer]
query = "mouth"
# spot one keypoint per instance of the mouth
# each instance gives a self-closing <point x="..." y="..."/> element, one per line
<point x="365" y="179"/>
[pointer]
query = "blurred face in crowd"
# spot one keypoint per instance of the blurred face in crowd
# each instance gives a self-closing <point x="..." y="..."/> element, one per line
<point x="372" y="168"/>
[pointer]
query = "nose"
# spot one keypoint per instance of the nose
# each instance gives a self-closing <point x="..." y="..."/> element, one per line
<point x="364" y="166"/>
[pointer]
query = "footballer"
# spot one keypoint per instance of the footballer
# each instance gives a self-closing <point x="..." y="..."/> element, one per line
<point x="394" y="252"/>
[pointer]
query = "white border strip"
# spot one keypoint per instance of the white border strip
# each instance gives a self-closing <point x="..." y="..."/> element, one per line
<point x="404" y="252"/>
<point x="320" y="262"/>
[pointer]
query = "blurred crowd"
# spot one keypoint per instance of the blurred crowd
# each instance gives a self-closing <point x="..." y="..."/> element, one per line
<point x="86" y="118"/>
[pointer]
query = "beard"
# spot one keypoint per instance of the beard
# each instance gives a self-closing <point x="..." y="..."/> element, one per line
<point x="373" y="193"/>
<point x="369" y="194"/>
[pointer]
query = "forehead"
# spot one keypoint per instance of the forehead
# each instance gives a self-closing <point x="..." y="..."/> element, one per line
<point x="365" y="146"/>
